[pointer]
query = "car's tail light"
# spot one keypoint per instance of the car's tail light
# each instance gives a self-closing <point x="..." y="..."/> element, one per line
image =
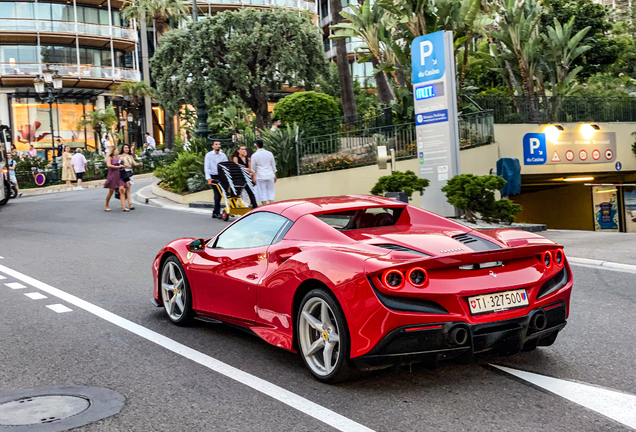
<point x="547" y="259"/>
<point x="417" y="276"/>
<point x="393" y="279"/>
<point x="559" y="257"/>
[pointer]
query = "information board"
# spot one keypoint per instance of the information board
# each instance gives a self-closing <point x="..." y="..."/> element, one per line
<point x="433" y="65"/>
<point x="569" y="148"/>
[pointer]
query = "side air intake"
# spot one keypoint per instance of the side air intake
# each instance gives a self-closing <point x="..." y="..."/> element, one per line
<point x="477" y="244"/>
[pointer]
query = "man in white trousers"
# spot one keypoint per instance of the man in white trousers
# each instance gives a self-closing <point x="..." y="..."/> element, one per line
<point x="264" y="168"/>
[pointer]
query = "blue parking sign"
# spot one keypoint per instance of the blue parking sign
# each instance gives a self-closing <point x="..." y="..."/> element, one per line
<point x="534" y="149"/>
<point x="427" y="57"/>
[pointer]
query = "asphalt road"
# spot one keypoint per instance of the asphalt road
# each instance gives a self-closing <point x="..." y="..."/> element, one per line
<point x="68" y="242"/>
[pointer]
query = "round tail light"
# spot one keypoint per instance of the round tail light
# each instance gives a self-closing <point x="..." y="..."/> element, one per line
<point x="559" y="258"/>
<point x="547" y="259"/>
<point x="393" y="279"/>
<point x="417" y="276"/>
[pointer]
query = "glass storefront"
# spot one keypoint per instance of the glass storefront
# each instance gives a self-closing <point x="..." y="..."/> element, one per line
<point x="31" y="124"/>
<point x="28" y="54"/>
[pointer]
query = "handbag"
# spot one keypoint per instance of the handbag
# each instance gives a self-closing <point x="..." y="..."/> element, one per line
<point x="124" y="175"/>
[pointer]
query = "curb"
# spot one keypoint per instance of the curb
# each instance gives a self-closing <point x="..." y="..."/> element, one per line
<point x="140" y="198"/>
<point x="91" y="184"/>
<point x="603" y="265"/>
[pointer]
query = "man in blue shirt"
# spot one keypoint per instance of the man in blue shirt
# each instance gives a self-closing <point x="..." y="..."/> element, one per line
<point x="211" y="167"/>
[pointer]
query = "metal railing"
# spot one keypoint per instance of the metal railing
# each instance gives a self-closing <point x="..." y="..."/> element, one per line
<point x="292" y="4"/>
<point x="561" y="109"/>
<point x="52" y="26"/>
<point x="377" y="117"/>
<point x="71" y="70"/>
<point x="358" y="147"/>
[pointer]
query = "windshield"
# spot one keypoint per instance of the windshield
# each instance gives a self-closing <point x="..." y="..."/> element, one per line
<point x="363" y="218"/>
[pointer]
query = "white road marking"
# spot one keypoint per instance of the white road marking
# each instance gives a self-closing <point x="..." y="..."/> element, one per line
<point x="35" y="296"/>
<point x="2" y="277"/>
<point x="616" y="405"/>
<point x="15" y="285"/>
<point x="59" y="308"/>
<point x="602" y="265"/>
<point x="293" y="400"/>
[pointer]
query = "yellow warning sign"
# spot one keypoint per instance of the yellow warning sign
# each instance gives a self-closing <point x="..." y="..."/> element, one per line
<point x="555" y="157"/>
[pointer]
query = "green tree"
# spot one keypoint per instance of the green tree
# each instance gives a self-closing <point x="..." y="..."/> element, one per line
<point x="133" y="93"/>
<point x="476" y="195"/>
<point x="282" y="144"/>
<point x="407" y="182"/>
<point x="101" y="121"/>
<point x="307" y="107"/>
<point x="242" y="54"/>
<point x="342" y="62"/>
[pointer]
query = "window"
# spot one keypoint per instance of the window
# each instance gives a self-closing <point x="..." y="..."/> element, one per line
<point x="363" y="218"/>
<point x="24" y="10"/>
<point x="256" y="230"/>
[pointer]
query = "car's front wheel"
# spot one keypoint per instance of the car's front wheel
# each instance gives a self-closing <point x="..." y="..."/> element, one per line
<point x="323" y="338"/>
<point x="175" y="292"/>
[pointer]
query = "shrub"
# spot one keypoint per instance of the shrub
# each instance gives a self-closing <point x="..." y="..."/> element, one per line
<point x="308" y="107"/>
<point x="197" y="183"/>
<point x="176" y="175"/>
<point x="27" y="163"/>
<point x="282" y="144"/>
<point x="476" y="195"/>
<point x="398" y="181"/>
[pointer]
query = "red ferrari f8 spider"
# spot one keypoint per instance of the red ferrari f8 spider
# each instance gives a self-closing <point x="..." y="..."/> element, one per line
<point x="358" y="282"/>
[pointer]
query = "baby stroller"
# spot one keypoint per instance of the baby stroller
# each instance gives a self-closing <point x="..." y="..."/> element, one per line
<point x="236" y="189"/>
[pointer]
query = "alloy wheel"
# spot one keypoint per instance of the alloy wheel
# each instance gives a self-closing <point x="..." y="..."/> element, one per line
<point x="318" y="336"/>
<point x="173" y="290"/>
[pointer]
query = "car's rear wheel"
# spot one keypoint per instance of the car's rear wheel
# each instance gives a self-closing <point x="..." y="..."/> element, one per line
<point x="175" y="292"/>
<point x="323" y="337"/>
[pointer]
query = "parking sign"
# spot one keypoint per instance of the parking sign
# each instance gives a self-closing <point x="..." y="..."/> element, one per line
<point x="534" y="149"/>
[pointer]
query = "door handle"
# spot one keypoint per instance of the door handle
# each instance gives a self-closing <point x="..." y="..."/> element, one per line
<point x="252" y="276"/>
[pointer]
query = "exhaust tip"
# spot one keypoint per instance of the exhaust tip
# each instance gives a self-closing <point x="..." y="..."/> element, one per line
<point x="538" y="321"/>
<point x="458" y="335"/>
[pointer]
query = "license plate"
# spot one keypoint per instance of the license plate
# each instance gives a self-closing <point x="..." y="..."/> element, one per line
<point x="496" y="302"/>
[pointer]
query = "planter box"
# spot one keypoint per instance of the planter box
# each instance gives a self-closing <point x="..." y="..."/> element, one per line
<point x="205" y="196"/>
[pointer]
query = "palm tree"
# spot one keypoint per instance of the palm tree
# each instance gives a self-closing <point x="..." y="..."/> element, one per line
<point x="134" y="91"/>
<point x="161" y="12"/>
<point x="344" y="75"/>
<point x="101" y="121"/>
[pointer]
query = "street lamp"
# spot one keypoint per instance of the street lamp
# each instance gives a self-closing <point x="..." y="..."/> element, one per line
<point x="44" y="86"/>
<point x="131" y="126"/>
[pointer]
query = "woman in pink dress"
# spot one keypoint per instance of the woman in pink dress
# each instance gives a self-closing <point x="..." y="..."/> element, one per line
<point x="113" y="179"/>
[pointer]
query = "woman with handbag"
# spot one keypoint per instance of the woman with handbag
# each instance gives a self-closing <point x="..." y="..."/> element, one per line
<point x="114" y="181"/>
<point x="68" y="174"/>
<point x="128" y="160"/>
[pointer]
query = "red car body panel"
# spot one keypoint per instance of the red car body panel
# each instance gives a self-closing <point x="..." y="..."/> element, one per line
<point x="256" y="288"/>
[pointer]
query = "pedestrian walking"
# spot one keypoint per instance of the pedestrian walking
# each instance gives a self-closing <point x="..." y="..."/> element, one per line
<point x="113" y="179"/>
<point x="211" y="168"/>
<point x="11" y="164"/>
<point x="14" y="151"/>
<point x="68" y="175"/>
<point x="241" y="158"/>
<point x="80" y="165"/>
<point x="106" y="143"/>
<point x="275" y="124"/>
<point x="60" y="148"/>
<point x="264" y="168"/>
<point x="150" y="142"/>
<point x="32" y="151"/>
<point x="128" y="160"/>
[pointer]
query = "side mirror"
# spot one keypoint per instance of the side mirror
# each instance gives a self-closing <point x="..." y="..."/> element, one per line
<point x="197" y="245"/>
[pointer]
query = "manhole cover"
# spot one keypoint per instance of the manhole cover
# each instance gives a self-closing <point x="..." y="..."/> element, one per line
<point x="55" y="409"/>
<point x="41" y="409"/>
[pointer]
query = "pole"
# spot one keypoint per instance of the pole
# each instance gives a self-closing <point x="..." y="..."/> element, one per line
<point x="54" y="176"/>
<point x="203" y="131"/>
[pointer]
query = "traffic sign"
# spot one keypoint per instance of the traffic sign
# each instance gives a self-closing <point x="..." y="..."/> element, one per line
<point x="619" y="166"/>
<point x="609" y="154"/>
<point x="569" y="155"/>
<point x="583" y="155"/>
<point x="596" y="155"/>
<point x="555" y="157"/>
<point x="40" y="179"/>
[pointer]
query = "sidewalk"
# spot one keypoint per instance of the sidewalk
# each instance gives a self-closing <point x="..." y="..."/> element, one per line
<point x="62" y="188"/>
<point x="145" y="196"/>
<point x="603" y="246"/>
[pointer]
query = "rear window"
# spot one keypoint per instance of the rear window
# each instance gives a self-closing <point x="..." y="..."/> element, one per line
<point x="363" y="218"/>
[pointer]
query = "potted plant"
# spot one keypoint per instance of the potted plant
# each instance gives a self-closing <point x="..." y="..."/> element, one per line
<point x="400" y="185"/>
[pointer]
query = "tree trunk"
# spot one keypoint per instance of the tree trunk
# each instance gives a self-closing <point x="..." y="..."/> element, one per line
<point x="344" y="76"/>
<point x="385" y="92"/>
<point x="168" y="137"/>
<point x="256" y="100"/>
<point x="463" y="75"/>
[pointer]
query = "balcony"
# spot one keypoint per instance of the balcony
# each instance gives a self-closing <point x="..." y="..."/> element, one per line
<point x="14" y="30"/>
<point x="84" y="76"/>
<point x="351" y="49"/>
<point x="219" y="5"/>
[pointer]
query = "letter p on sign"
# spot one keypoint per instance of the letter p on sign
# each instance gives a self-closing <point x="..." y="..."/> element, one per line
<point x="426" y="49"/>
<point x="534" y="144"/>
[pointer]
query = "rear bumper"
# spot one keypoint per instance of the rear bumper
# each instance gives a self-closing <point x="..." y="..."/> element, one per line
<point x="434" y="342"/>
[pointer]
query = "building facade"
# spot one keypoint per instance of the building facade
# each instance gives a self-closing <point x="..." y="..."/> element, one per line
<point x="86" y="41"/>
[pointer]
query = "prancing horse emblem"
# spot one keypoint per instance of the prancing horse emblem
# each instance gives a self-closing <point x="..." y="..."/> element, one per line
<point x="492" y="273"/>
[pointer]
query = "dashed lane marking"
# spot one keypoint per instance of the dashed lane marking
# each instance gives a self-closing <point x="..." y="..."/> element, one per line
<point x="15" y="285"/>
<point x="293" y="400"/>
<point x="35" y="296"/>
<point x="59" y="308"/>
<point x="616" y="405"/>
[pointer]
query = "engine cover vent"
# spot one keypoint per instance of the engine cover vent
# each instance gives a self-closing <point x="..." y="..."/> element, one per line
<point x="399" y="248"/>
<point x="477" y="244"/>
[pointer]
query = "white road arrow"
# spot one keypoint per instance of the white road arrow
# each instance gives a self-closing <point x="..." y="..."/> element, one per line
<point x="616" y="405"/>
